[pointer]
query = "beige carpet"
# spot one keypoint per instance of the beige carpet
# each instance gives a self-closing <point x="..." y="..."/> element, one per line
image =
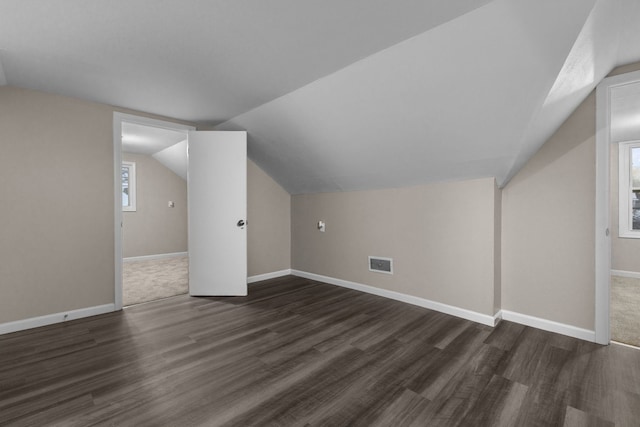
<point x="145" y="281"/>
<point x="625" y="310"/>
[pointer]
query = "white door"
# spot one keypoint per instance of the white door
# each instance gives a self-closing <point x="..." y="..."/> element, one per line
<point x="217" y="192"/>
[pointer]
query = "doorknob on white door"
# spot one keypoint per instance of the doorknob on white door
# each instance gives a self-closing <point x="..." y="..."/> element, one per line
<point x="240" y="223"/>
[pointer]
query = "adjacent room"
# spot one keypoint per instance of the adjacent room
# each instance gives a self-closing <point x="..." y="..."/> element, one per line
<point x="320" y="213"/>
<point x="154" y="219"/>
<point x="625" y="213"/>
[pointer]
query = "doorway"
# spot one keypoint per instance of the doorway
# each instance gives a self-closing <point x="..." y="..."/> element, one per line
<point x="151" y="253"/>
<point x="617" y="124"/>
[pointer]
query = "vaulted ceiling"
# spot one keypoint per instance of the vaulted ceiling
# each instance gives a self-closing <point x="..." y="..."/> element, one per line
<point x="336" y="95"/>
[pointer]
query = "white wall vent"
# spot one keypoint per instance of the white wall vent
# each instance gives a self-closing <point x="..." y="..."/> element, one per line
<point x="381" y="264"/>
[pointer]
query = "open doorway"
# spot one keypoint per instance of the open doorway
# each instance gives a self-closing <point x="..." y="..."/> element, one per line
<point x="618" y="201"/>
<point x="151" y="225"/>
<point x="625" y="213"/>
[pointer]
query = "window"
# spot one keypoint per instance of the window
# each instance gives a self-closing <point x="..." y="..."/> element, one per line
<point x="128" y="186"/>
<point x="629" y="199"/>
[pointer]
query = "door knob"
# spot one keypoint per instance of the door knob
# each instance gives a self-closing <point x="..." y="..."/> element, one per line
<point x="240" y="223"/>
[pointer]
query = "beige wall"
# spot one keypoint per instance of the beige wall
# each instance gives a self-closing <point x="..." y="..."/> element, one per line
<point x="56" y="179"/>
<point x="441" y="237"/>
<point x="548" y="208"/>
<point x="155" y="228"/>
<point x="497" y="249"/>
<point x="268" y="223"/>
<point x="548" y="222"/>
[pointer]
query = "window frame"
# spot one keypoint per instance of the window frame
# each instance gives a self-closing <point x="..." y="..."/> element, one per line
<point x="625" y="207"/>
<point x="132" y="207"/>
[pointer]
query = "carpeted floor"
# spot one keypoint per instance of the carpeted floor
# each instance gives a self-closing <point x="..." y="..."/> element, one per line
<point x="625" y="310"/>
<point x="145" y="281"/>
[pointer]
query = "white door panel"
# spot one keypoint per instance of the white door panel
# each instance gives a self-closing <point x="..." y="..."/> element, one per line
<point x="217" y="192"/>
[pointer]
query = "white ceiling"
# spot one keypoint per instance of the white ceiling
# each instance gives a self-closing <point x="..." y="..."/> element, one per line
<point x="335" y="95"/>
<point x="204" y="61"/>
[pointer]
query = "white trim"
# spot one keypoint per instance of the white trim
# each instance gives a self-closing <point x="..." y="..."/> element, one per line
<point x="156" y="256"/>
<point x="267" y="276"/>
<point x="474" y="316"/>
<point x="623" y="273"/>
<point x="147" y="121"/>
<point x="117" y="217"/>
<point x="549" y="325"/>
<point x="602" y="224"/>
<point x="50" y="319"/>
<point x="118" y="118"/>
<point x="625" y="345"/>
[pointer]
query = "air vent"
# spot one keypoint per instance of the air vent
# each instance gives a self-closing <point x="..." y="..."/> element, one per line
<point x="380" y="264"/>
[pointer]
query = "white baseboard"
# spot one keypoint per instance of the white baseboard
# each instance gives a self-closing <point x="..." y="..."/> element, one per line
<point x="474" y="316"/>
<point x="266" y="276"/>
<point x="50" y="319"/>
<point x="156" y="256"/>
<point x="549" y="325"/>
<point x="623" y="273"/>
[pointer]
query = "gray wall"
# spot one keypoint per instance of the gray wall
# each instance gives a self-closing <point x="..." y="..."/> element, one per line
<point x="57" y="234"/>
<point x="441" y="237"/>
<point x="154" y="228"/>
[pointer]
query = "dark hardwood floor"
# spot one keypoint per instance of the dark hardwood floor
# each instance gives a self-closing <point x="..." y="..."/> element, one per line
<point x="302" y="353"/>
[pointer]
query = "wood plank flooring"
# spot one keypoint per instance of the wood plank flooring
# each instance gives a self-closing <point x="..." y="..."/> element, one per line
<point x="301" y="353"/>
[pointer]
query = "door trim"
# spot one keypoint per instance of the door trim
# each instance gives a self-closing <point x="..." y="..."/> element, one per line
<point x="118" y="118"/>
<point x="603" y="242"/>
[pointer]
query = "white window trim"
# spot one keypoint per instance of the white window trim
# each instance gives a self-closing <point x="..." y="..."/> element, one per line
<point x="132" y="187"/>
<point x="624" y="187"/>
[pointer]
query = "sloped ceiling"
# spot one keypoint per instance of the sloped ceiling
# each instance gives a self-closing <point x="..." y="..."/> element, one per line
<point x="169" y="147"/>
<point x="141" y="139"/>
<point x="200" y="60"/>
<point x="335" y="95"/>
